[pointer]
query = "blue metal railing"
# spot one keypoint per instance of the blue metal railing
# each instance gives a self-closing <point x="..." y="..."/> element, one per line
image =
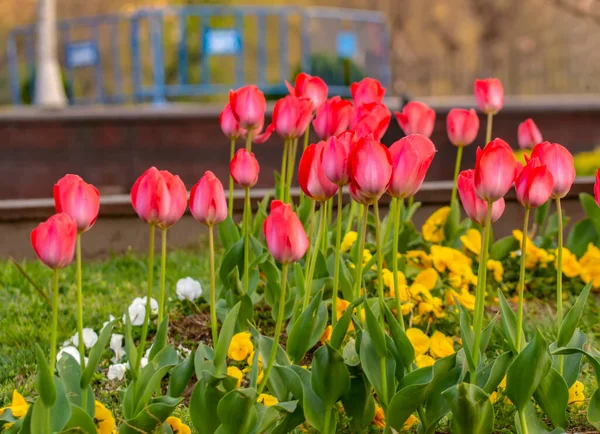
<point x="127" y="54"/>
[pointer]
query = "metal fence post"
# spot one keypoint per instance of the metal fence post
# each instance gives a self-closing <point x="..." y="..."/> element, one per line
<point x="136" y="59"/>
<point x="158" y="59"/>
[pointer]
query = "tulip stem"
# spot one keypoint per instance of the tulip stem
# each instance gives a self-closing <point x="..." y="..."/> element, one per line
<point x="459" y="154"/>
<point x="351" y="214"/>
<point x="140" y="354"/>
<point x="522" y="279"/>
<point x="291" y="170"/>
<point x="488" y="130"/>
<point x="323" y="238"/>
<point x="379" y="262"/>
<point x="336" y="268"/>
<point x="213" y="289"/>
<point x="359" y="257"/>
<point x="306" y="136"/>
<point x="163" y="273"/>
<point x="480" y="294"/>
<point x="246" y="224"/>
<point x="80" y="315"/>
<point x="523" y="422"/>
<point x="249" y="140"/>
<point x="231" y="155"/>
<point x="283" y="174"/>
<point x="313" y="259"/>
<point x="398" y="205"/>
<point x="278" y="326"/>
<point x="53" y="336"/>
<point x="559" y="277"/>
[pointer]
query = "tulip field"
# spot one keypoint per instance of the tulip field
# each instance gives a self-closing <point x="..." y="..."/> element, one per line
<point x="323" y="312"/>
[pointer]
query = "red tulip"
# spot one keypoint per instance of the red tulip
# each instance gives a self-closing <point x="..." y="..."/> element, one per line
<point x="489" y="94"/>
<point x="308" y="86"/>
<point x="248" y="105"/>
<point x="207" y="200"/>
<point x="332" y="117"/>
<point x="357" y="195"/>
<point x="178" y="198"/>
<point x="534" y="184"/>
<point x="370" y="166"/>
<point x="229" y="124"/>
<point x="416" y="118"/>
<point x="411" y="158"/>
<point x="462" y="126"/>
<point x="597" y="188"/>
<point x="371" y="118"/>
<point x="529" y="134"/>
<point x="292" y="116"/>
<point x="495" y="170"/>
<point x="368" y="90"/>
<point x="476" y="208"/>
<point x="258" y="135"/>
<point x="335" y="158"/>
<point x="286" y="240"/>
<point x="560" y="164"/>
<point x="74" y="196"/>
<point x="244" y="168"/>
<point x="311" y="176"/>
<point x="54" y="241"/>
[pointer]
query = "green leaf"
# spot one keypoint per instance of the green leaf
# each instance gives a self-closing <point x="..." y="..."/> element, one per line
<point x="581" y="235"/>
<point x="452" y="225"/>
<point x="39" y="418"/>
<point x="376" y="333"/>
<point x="80" y="421"/>
<point x="330" y="378"/>
<point x="180" y="376"/>
<point x="233" y="257"/>
<point x="509" y="324"/>
<point x="130" y="348"/>
<point x="534" y="425"/>
<point x="572" y="362"/>
<point x="70" y="373"/>
<point x="44" y="381"/>
<point x="497" y="372"/>
<point x="225" y="336"/>
<point x="435" y="407"/>
<point x="299" y="279"/>
<point x="299" y="338"/>
<point x="527" y="371"/>
<point x="276" y="384"/>
<point x="238" y="412"/>
<point x="359" y="403"/>
<point x="552" y="395"/>
<point x="160" y="340"/>
<point x="571" y="321"/>
<point x="373" y="365"/>
<point x="467" y="336"/>
<point x="472" y="410"/>
<point x="151" y="416"/>
<point x="61" y="410"/>
<point x="203" y="403"/>
<point x="541" y="214"/>
<point x="96" y="354"/>
<point x="144" y="395"/>
<point x="502" y="248"/>
<point x="403" y="345"/>
<point x="228" y="232"/>
<point x="591" y="209"/>
<point x="341" y="326"/>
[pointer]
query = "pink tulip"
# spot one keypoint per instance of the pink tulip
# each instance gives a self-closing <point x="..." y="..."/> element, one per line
<point x="495" y="170"/>
<point x="416" y="118"/>
<point x="229" y="124"/>
<point x="244" y="168"/>
<point x="332" y="117"/>
<point x="489" y="94"/>
<point x="357" y="195"/>
<point x="597" y="188"/>
<point x="308" y="86"/>
<point x="286" y="240"/>
<point x="74" y="196"/>
<point x="462" y="126"/>
<point x="54" y="241"/>
<point x="370" y="166"/>
<point x="207" y="200"/>
<point x="366" y="91"/>
<point x="534" y="184"/>
<point x="371" y="118"/>
<point x="248" y="105"/>
<point x="311" y="176"/>
<point x="476" y="208"/>
<point x="335" y="158"/>
<point x="560" y="163"/>
<point x="292" y="116"/>
<point x="411" y="158"/>
<point x="529" y="134"/>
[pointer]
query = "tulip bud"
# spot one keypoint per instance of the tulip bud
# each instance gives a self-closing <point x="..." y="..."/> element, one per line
<point x="291" y="116"/>
<point x="489" y="94"/>
<point x="476" y="208"/>
<point x="416" y="118"/>
<point x="332" y="117"/>
<point x="229" y="124"/>
<point x="207" y="200"/>
<point x="560" y="163"/>
<point x="357" y="196"/>
<point x="244" y="168"/>
<point x="248" y="105"/>
<point x="534" y="184"/>
<point x="77" y="198"/>
<point x="495" y="170"/>
<point x="597" y="188"/>
<point x="462" y="126"/>
<point x="308" y="86"/>
<point x="370" y="167"/>
<point x="311" y="176"/>
<point x="371" y="118"/>
<point x="286" y="240"/>
<point x="335" y="158"/>
<point x="411" y="158"/>
<point x="366" y="91"/>
<point x="54" y="241"/>
<point x="529" y="134"/>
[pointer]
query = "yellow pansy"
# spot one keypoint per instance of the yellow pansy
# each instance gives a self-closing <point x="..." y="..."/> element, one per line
<point x="419" y="340"/>
<point x="404" y="292"/>
<point x="326" y="335"/>
<point x="388" y="278"/>
<point x="465" y="298"/>
<point x="18" y="406"/>
<point x="433" y="306"/>
<point x="449" y="259"/>
<point x="424" y="360"/>
<point x="497" y="269"/>
<point x="533" y="253"/>
<point x="441" y="345"/>
<point x="407" y="307"/>
<point x="471" y="241"/>
<point x="433" y="228"/>
<point x="260" y="376"/>
<point x="570" y="265"/>
<point x="236" y="373"/>
<point x="455" y="280"/>
<point x="576" y="395"/>
<point x="240" y="346"/>
<point x="419" y="292"/>
<point x="177" y="426"/>
<point x="341" y="307"/>
<point x="104" y="419"/>
<point x="250" y="360"/>
<point x="267" y="400"/>
<point x="590" y="266"/>
<point x="428" y="278"/>
<point x="367" y="256"/>
<point x="348" y="241"/>
<point x="408" y="423"/>
<point x="418" y="258"/>
<point x="379" y="418"/>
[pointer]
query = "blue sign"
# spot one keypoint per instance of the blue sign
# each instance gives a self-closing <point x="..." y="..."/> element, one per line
<point x="222" y="42"/>
<point x="82" y="54"/>
<point x="346" y="44"/>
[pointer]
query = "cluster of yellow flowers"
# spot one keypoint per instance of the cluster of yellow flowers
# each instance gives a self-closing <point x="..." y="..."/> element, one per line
<point x="428" y="349"/>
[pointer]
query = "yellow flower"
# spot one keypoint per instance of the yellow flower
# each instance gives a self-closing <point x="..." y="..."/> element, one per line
<point x="441" y="345"/>
<point x="501" y="386"/>
<point x="18" y="406"/>
<point x="447" y="258"/>
<point x="348" y="241"/>
<point x="234" y="372"/>
<point x="240" y="346"/>
<point x="576" y="395"/>
<point x="433" y="229"/>
<point x="455" y="280"/>
<point x="472" y="241"/>
<point x="367" y="256"/>
<point x="408" y="423"/>
<point x="497" y="268"/>
<point x="326" y="336"/>
<point x="177" y="426"/>
<point x="267" y="400"/>
<point x="418" y="258"/>
<point x="388" y="278"/>
<point x="104" y="419"/>
<point x="404" y="293"/>
<point x="570" y="265"/>
<point x="590" y="266"/>
<point x="260" y="376"/>
<point x="533" y="253"/>
<point x="424" y="360"/>
<point x="379" y="419"/>
<point x="433" y="306"/>
<point x="419" y="340"/>
<point x="465" y="298"/>
<point x="428" y="278"/>
<point x="250" y="360"/>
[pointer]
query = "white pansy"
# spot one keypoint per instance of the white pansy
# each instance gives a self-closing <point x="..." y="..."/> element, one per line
<point x="183" y="351"/>
<point x="71" y="351"/>
<point x="90" y="337"/>
<point x="116" y="345"/>
<point x="142" y="301"/>
<point x="188" y="289"/>
<point x="117" y="371"/>
<point x="137" y="313"/>
<point x="144" y="361"/>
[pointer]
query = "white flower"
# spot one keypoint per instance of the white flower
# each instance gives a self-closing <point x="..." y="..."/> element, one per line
<point x="137" y="314"/>
<point x="188" y="289"/>
<point x="110" y="319"/>
<point x="117" y="371"/>
<point x="71" y="351"/>
<point x="144" y="361"/>
<point x="90" y="337"/>
<point x="183" y="351"/>
<point x="116" y="344"/>
<point x="142" y="301"/>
